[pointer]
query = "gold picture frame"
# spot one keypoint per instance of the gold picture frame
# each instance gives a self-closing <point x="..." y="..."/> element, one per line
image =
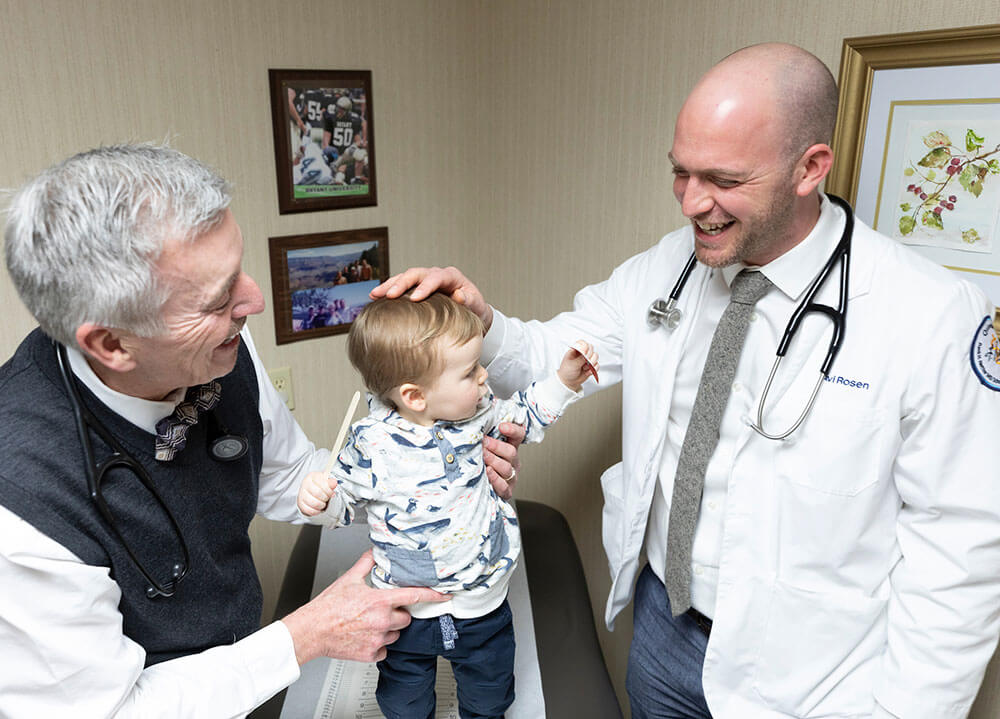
<point x="862" y="57"/>
<point x="881" y="79"/>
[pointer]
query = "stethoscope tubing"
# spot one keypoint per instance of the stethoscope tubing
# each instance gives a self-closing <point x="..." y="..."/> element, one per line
<point x="666" y="313"/>
<point x="85" y="421"/>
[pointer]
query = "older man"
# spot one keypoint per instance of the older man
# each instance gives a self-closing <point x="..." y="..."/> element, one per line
<point x="852" y="567"/>
<point x="140" y="435"/>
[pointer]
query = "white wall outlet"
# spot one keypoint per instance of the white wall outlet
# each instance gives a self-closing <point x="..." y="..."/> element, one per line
<point x="281" y="378"/>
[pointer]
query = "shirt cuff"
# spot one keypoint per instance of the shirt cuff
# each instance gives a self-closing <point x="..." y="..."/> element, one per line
<point x="269" y="656"/>
<point x="552" y="394"/>
<point x="493" y="340"/>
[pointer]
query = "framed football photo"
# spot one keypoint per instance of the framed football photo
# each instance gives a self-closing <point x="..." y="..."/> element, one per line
<point x="324" y="143"/>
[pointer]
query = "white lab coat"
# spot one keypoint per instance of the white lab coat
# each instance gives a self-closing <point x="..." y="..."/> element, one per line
<point x="860" y="557"/>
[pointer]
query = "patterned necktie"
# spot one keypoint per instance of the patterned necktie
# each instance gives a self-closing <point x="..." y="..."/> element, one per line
<point x="703" y="432"/>
<point x="171" y="432"/>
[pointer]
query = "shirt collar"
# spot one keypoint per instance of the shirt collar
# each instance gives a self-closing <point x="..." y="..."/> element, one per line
<point x="143" y="413"/>
<point x="382" y="411"/>
<point x="793" y="271"/>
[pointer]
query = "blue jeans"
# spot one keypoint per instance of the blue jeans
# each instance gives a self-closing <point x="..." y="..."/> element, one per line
<point x="482" y="660"/>
<point x="666" y="658"/>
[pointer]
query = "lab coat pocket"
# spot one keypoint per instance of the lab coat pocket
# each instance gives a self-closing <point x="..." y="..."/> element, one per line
<point x="613" y="517"/>
<point x="819" y="652"/>
<point x="838" y="451"/>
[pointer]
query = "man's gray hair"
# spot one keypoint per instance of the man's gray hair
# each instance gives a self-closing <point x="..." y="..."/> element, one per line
<point x="82" y="239"/>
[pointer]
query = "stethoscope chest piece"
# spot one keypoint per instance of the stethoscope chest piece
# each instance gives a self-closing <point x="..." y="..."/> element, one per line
<point x="223" y="445"/>
<point x="228" y="447"/>
<point x="663" y="313"/>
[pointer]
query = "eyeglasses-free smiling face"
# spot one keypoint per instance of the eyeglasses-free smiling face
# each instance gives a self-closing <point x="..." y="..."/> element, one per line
<point x="733" y="185"/>
<point x="210" y="297"/>
<point x="749" y="153"/>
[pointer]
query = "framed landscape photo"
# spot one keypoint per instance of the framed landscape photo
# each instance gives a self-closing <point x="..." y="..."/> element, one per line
<point x="320" y="282"/>
<point x="324" y="139"/>
<point x="917" y="144"/>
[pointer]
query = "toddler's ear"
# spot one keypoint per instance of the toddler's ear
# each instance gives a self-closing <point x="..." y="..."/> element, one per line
<point x="412" y="397"/>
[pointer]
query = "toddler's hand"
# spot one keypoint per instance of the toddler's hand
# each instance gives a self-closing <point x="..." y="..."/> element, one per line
<point x="314" y="494"/>
<point x="579" y="363"/>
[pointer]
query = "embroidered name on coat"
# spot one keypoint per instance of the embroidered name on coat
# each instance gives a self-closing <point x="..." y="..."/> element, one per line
<point x="847" y="382"/>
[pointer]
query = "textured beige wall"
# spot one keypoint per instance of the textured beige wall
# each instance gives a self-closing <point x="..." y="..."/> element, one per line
<point x="523" y="140"/>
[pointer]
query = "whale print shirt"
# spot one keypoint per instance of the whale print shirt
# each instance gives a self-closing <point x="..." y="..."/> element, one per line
<point x="433" y="518"/>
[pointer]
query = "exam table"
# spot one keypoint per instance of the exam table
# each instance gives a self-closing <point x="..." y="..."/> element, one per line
<point x="575" y="681"/>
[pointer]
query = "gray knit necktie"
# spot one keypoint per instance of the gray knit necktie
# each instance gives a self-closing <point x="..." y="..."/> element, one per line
<point x="703" y="432"/>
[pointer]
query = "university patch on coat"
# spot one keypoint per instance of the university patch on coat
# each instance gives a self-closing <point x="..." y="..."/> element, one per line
<point x="985" y="354"/>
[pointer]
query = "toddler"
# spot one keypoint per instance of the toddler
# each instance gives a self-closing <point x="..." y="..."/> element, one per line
<point x="416" y="463"/>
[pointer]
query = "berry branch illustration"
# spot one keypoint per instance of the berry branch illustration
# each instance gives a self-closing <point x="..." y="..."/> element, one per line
<point x="934" y="191"/>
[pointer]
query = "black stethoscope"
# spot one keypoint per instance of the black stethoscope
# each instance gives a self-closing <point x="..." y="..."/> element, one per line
<point x="666" y="313"/>
<point x="223" y="447"/>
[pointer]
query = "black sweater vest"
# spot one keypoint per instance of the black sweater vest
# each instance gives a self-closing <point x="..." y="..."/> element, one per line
<point x="42" y="480"/>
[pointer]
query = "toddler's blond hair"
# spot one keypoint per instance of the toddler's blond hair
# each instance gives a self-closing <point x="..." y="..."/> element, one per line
<point x="395" y="341"/>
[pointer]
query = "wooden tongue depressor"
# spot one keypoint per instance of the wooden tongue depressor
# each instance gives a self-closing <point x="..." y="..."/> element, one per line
<point x="343" y="431"/>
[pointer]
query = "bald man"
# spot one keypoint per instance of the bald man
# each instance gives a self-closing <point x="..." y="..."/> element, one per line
<point x="852" y="568"/>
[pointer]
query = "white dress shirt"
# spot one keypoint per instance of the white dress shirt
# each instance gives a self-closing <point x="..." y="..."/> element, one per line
<point x="48" y="666"/>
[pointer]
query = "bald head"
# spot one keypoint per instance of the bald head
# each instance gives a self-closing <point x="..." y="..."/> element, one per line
<point x="750" y="150"/>
<point x="785" y="85"/>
